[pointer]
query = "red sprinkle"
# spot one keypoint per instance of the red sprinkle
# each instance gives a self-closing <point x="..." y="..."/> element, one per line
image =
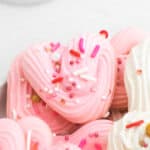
<point x="135" y="124"/>
<point x="74" y="53"/>
<point x="98" y="146"/>
<point x="82" y="143"/>
<point x="57" y="80"/>
<point x="104" y="32"/>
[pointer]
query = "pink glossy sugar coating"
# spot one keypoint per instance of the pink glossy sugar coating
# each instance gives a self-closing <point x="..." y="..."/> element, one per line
<point x="86" y="85"/>
<point x="123" y="43"/>
<point x="92" y="136"/>
<point x="20" y="103"/>
<point x="40" y="133"/>
<point x="11" y="135"/>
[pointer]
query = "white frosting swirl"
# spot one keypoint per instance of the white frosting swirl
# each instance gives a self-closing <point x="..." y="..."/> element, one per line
<point x="137" y="77"/>
<point x="134" y="138"/>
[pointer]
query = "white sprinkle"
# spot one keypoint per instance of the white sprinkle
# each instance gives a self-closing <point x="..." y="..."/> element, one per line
<point x="77" y="101"/>
<point x="56" y="89"/>
<point x="45" y="89"/>
<point x="71" y="79"/>
<point x="48" y="71"/>
<point x="78" y="86"/>
<point x="54" y="134"/>
<point x="14" y="114"/>
<point x="107" y="114"/>
<point x="27" y="106"/>
<point x="22" y="79"/>
<point x="56" y="56"/>
<point x="80" y="71"/>
<point x="50" y="91"/>
<point x="28" y="96"/>
<point x="104" y="97"/>
<point x="29" y="133"/>
<point x="87" y="77"/>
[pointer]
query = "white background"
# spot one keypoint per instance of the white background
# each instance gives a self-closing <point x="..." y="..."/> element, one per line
<point x="60" y="20"/>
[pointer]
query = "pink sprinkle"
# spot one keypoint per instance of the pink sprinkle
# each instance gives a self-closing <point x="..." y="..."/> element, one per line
<point x="81" y="45"/>
<point x="82" y="143"/>
<point x="95" y="51"/>
<point x="66" y="138"/>
<point x="54" y="47"/>
<point x="98" y="146"/>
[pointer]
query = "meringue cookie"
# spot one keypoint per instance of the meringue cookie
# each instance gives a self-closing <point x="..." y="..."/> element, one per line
<point x="11" y="135"/>
<point x="37" y="133"/>
<point x="85" y="82"/>
<point x="123" y="42"/>
<point x="93" y="135"/>
<point x="131" y="132"/>
<point x="23" y="101"/>
<point x="137" y="77"/>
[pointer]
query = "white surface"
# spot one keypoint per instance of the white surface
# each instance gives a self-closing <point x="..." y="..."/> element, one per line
<point x="59" y="20"/>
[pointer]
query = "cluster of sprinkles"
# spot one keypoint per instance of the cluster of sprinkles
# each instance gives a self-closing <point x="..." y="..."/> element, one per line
<point x="93" y="136"/>
<point x="147" y="130"/>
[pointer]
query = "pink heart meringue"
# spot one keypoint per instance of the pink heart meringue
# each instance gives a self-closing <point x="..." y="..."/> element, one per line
<point x="122" y="43"/>
<point x="23" y="101"/>
<point x="92" y="136"/>
<point x="83" y="85"/>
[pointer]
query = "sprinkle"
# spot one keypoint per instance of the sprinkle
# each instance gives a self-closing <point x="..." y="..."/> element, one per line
<point x="74" y="53"/>
<point x="56" y="56"/>
<point x="27" y="106"/>
<point x="95" y="51"/>
<point x="14" y="114"/>
<point x="45" y="89"/>
<point x="147" y="129"/>
<point x="80" y="71"/>
<point x="62" y="101"/>
<point x="29" y="133"/>
<point x="74" y="84"/>
<point x="143" y="144"/>
<point x="66" y="138"/>
<point x="77" y="101"/>
<point x="35" y="98"/>
<point x="81" y="45"/>
<point x="104" y="33"/>
<point x="22" y="79"/>
<point x="71" y="79"/>
<point x="71" y="95"/>
<point x="87" y="77"/>
<point x="54" y="47"/>
<point x="47" y="49"/>
<point x="34" y="146"/>
<point x="107" y="114"/>
<point x="78" y="86"/>
<point x="119" y="61"/>
<point x="71" y="62"/>
<point x="104" y="97"/>
<point x="139" y="72"/>
<point x="135" y="124"/>
<point x="50" y="91"/>
<point x="98" y="146"/>
<point x="57" y="80"/>
<point x="28" y="96"/>
<point x="82" y="143"/>
<point x="68" y="88"/>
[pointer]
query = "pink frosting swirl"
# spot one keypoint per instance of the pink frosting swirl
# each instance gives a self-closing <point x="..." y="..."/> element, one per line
<point x="85" y="82"/>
